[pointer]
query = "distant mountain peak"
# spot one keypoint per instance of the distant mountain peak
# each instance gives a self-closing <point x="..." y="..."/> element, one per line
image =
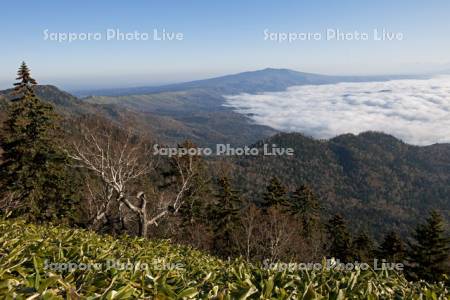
<point x="264" y="80"/>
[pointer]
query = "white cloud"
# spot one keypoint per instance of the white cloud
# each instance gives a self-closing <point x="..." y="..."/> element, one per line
<point x="416" y="111"/>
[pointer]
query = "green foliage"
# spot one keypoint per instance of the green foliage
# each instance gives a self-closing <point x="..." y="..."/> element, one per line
<point x="27" y="250"/>
<point x="392" y="248"/>
<point x="339" y="240"/>
<point x="194" y="208"/>
<point x="275" y="194"/>
<point x="305" y="205"/>
<point x="224" y="217"/>
<point x="364" y="247"/>
<point x="34" y="172"/>
<point x="429" y="251"/>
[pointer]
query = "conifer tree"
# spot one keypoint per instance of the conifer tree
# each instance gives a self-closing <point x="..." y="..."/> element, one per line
<point x="224" y="217"/>
<point x="195" y="205"/>
<point x="275" y="194"/>
<point x="364" y="247"/>
<point x="305" y="205"/>
<point x="26" y="83"/>
<point x="392" y="249"/>
<point x="339" y="239"/>
<point x="34" y="170"/>
<point x="428" y="253"/>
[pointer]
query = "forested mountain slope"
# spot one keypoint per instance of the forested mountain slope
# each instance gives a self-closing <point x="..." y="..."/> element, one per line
<point x="372" y="178"/>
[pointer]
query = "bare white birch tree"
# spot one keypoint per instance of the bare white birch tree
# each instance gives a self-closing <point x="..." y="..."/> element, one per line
<point x="121" y="161"/>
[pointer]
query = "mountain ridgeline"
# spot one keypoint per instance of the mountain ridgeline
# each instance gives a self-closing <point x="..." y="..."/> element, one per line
<point x="266" y="80"/>
<point x="374" y="179"/>
<point x="168" y="117"/>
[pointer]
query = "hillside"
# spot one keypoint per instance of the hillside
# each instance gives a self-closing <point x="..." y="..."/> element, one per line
<point x="47" y="262"/>
<point x="64" y="102"/>
<point x="167" y="119"/>
<point x="374" y="179"/>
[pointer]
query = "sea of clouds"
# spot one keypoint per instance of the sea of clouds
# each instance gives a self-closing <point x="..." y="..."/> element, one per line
<point x="416" y="111"/>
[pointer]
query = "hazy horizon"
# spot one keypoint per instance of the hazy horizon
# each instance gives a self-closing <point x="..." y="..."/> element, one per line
<point x="189" y="41"/>
<point x="140" y="80"/>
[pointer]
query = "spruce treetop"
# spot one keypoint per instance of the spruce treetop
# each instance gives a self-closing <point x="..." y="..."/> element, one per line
<point x="26" y="82"/>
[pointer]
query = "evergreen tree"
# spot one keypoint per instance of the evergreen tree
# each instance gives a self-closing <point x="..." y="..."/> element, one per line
<point x="195" y="204"/>
<point x="363" y="247"/>
<point x="428" y="253"/>
<point x="305" y="205"/>
<point x="34" y="170"/>
<point x="392" y="249"/>
<point x="26" y="83"/>
<point x="193" y="209"/>
<point x="339" y="239"/>
<point x="224" y="217"/>
<point x="275" y="194"/>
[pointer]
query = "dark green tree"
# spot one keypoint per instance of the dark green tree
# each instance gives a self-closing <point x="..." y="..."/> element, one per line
<point x="275" y="194"/>
<point x="196" y="199"/>
<point x="224" y="217"/>
<point x="392" y="249"/>
<point x="304" y="204"/>
<point x="339" y="243"/>
<point x="34" y="172"/>
<point x="363" y="247"/>
<point x="429" y="251"/>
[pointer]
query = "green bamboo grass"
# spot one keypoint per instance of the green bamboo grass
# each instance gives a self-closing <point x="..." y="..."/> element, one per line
<point x="27" y="251"/>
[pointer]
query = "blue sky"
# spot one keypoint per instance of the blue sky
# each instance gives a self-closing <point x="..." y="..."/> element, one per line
<point x="219" y="38"/>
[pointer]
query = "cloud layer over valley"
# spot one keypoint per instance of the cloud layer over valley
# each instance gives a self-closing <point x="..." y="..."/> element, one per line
<point x="416" y="111"/>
